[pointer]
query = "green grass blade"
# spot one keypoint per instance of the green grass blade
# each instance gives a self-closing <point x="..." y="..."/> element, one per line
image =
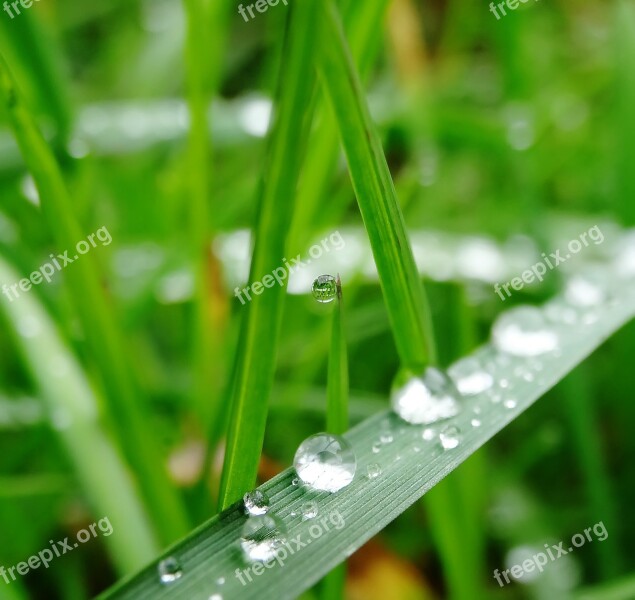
<point x="366" y="506"/>
<point x="403" y="292"/>
<point x="337" y="389"/>
<point x="256" y="351"/>
<point x="72" y="405"/>
<point x="124" y="413"/>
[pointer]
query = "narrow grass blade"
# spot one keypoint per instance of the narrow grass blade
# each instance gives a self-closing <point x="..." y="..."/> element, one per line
<point x="123" y="413"/>
<point x="367" y="506"/>
<point x="74" y="413"/>
<point x="377" y="199"/>
<point x="337" y="389"/>
<point x="256" y="351"/>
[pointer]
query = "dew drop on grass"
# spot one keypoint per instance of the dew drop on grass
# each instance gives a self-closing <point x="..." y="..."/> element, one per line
<point x="425" y="399"/>
<point x="376" y="447"/>
<point x="475" y="423"/>
<point x="295" y="481"/>
<point x="428" y="434"/>
<point x="220" y="581"/>
<point x="386" y="438"/>
<point x="585" y="290"/>
<point x="261" y="536"/>
<point x="510" y="403"/>
<point x="256" y="503"/>
<point x="524" y="331"/>
<point x="373" y="471"/>
<point x="450" y="437"/>
<point x="325" y="289"/>
<point x="169" y="570"/>
<point x="325" y="462"/>
<point x="215" y="597"/>
<point x="309" y="510"/>
<point x="470" y="377"/>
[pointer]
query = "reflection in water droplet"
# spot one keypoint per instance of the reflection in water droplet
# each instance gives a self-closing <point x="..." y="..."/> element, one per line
<point x="261" y="536"/>
<point x="169" y="570"/>
<point x="256" y="502"/>
<point x="325" y="462"/>
<point x="523" y="331"/>
<point x="325" y="288"/>
<point x="509" y="403"/>
<point x="426" y="399"/>
<point x="450" y="437"/>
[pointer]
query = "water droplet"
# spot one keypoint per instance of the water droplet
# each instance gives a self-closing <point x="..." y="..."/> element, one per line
<point x="426" y="399"/>
<point x="261" y="536"/>
<point x="215" y="597"/>
<point x="295" y="481"/>
<point x="325" y="289"/>
<point x="256" y="503"/>
<point x="503" y="383"/>
<point x="428" y="434"/>
<point x="220" y="581"/>
<point x="386" y="438"/>
<point x="450" y="437"/>
<point x="309" y="510"/>
<point x="373" y="470"/>
<point x="417" y="449"/>
<point x="475" y="423"/>
<point x="585" y="290"/>
<point x="509" y="403"/>
<point x="376" y="447"/>
<point x="523" y="331"/>
<point x="169" y="570"/>
<point x="470" y="377"/>
<point x="528" y="376"/>
<point x="325" y="462"/>
<point x="561" y="313"/>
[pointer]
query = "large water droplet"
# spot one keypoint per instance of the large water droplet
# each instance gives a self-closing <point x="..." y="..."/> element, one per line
<point x="426" y="399"/>
<point x="450" y="437"/>
<point x="325" y="288"/>
<point x="261" y="536"/>
<point x="256" y="503"/>
<point x="470" y="377"/>
<point x="169" y="570"/>
<point x="523" y="331"/>
<point x="325" y="462"/>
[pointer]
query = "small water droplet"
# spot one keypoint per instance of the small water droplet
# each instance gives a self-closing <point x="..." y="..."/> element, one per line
<point x="373" y="471"/>
<point x="586" y="289"/>
<point x="528" y="376"/>
<point x="376" y="447"/>
<point x="475" y="423"/>
<point x="325" y="289"/>
<point x="450" y="437"/>
<point x="215" y="597"/>
<point x="256" y="502"/>
<point x="509" y="403"/>
<point x="470" y="377"/>
<point x="523" y="331"/>
<point x="503" y="383"/>
<point x="309" y="510"/>
<point x="325" y="462"/>
<point x="477" y="410"/>
<point x="295" y="481"/>
<point x="426" y="399"/>
<point x="417" y="449"/>
<point x="261" y="536"/>
<point x="428" y="434"/>
<point x="169" y="570"/>
<point x="386" y="438"/>
<point x="220" y="581"/>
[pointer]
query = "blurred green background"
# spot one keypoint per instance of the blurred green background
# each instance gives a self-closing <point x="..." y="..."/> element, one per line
<point x="514" y="129"/>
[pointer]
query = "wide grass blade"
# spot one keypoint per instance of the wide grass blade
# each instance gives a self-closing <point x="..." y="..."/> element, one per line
<point x="367" y="506"/>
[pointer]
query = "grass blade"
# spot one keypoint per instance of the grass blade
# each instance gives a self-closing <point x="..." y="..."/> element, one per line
<point x="368" y="506"/>
<point x="256" y="351"/>
<point x="403" y="292"/>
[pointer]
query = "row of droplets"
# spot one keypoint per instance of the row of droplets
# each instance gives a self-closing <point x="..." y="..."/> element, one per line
<point x="325" y="462"/>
